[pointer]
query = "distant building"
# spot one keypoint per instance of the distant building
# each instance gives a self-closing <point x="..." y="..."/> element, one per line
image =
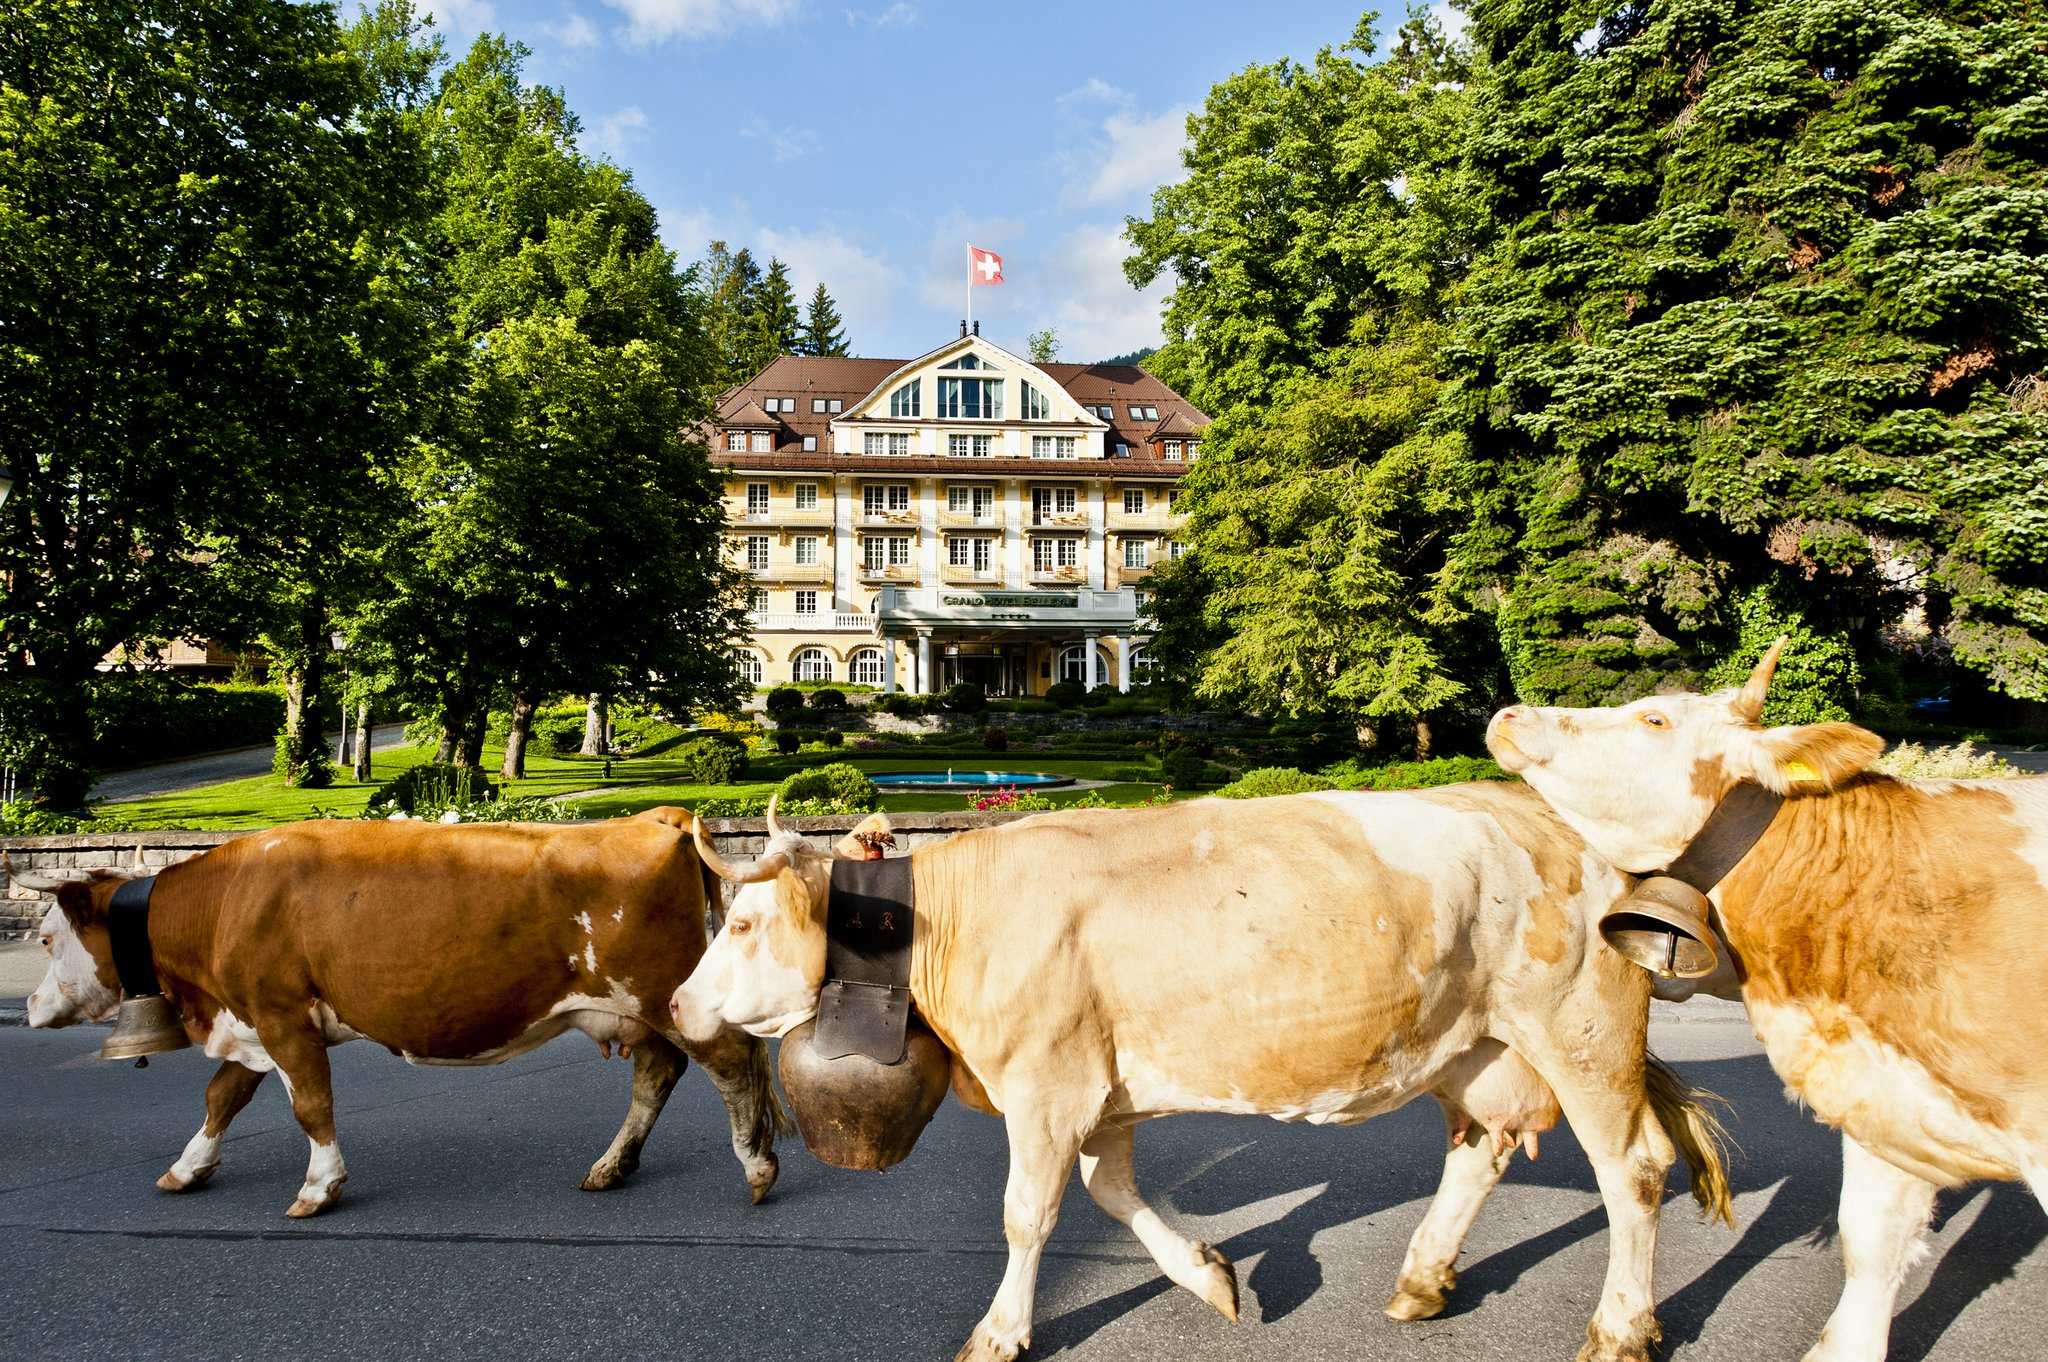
<point x="963" y="516"/>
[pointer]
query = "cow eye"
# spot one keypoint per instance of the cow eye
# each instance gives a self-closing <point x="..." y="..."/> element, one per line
<point x="739" y="926"/>
<point x="1654" y="719"/>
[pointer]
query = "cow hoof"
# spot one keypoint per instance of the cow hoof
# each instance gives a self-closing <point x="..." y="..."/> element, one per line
<point x="1216" y="1282"/>
<point x="1421" y="1295"/>
<point x="606" y="1174"/>
<point x="983" y="1345"/>
<point x="306" y="1206"/>
<point x="1602" y="1346"/>
<point x="175" y="1181"/>
<point x="761" y="1175"/>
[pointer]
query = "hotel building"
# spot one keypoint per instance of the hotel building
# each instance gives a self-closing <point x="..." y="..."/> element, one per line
<point x="963" y="516"/>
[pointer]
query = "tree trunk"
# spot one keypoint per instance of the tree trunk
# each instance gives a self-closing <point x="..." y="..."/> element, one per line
<point x="362" y="761"/>
<point x="471" y="750"/>
<point x="1423" y="739"/>
<point x="1368" y="737"/>
<point x="444" y="751"/>
<point x="597" y="726"/>
<point x="59" y="774"/>
<point x="305" y="744"/>
<point x="514" y="765"/>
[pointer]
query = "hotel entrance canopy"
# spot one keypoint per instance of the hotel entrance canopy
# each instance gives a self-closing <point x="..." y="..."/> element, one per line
<point x="902" y="610"/>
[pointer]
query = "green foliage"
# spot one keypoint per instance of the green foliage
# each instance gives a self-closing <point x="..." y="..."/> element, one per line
<point x="534" y="809"/>
<point x="1274" y="780"/>
<point x="787" y="740"/>
<point x="309" y="769"/>
<point x="145" y="717"/>
<point x="784" y="703"/>
<point x="753" y="806"/>
<point x="1413" y="775"/>
<point x="1066" y="694"/>
<point x="1911" y="761"/>
<point x="27" y="818"/>
<point x="995" y="739"/>
<point x="832" y="737"/>
<point x="1817" y="676"/>
<point x="966" y="698"/>
<point x="824" y="332"/>
<point x="712" y="762"/>
<point x="828" y="699"/>
<point x="432" y="785"/>
<point x="846" y="788"/>
<point x="1183" y="768"/>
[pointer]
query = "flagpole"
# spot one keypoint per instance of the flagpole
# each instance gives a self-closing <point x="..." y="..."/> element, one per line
<point x="970" y="288"/>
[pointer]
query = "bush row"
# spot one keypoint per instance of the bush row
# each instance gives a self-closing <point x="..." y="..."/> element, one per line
<point x="150" y="717"/>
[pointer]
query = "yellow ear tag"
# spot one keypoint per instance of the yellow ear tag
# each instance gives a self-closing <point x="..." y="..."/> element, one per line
<point x="1799" y="770"/>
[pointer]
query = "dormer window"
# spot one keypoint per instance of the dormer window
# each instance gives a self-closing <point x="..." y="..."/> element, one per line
<point x="970" y="399"/>
<point x="764" y="443"/>
<point x="970" y="360"/>
<point x="1173" y="450"/>
<point x="907" y="400"/>
<point x="1036" y="405"/>
<point x="735" y="441"/>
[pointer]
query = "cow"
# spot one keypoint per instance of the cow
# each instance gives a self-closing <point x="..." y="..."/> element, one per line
<point x="464" y="944"/>
<point x="1318" y="957"/>
<point x="1885" y="936"/>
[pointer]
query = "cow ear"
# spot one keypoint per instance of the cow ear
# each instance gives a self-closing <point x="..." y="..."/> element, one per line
<point x="794" y="897"/>
<point x="1807" y="755"/>
<point x="867" y="840"/>
<point x="75" y="897"/>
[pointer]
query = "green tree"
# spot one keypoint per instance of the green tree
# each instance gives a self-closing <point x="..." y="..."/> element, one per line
<point x="191" y="245"/>
<point x="824" y="332"/>
<point x="1765" y="320"/>
<point x="730" y="282"/>
<point x="775" y="306"/>
<point x="1043" y="346"/>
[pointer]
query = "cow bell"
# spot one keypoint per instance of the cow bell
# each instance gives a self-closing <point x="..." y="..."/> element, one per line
<point x="856" y="1112"/>
<point x="1662" y="926"/>
<point x="147" y="1025"/>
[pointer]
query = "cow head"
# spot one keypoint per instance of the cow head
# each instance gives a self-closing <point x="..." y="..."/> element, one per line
<point x="80" y="983"/>
<point x="1639" y="780"/>
<point x="763" y="970"/>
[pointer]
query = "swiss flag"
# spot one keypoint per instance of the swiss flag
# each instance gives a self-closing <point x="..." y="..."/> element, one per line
<point x="986" y="267"/>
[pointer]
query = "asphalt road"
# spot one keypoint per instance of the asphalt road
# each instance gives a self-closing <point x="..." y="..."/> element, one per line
<point x="462" y="1233"/>
<point x="214" y="767"/>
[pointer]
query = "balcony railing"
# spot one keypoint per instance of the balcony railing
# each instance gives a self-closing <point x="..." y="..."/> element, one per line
<point x="1125" y="573"/>
<point x="968" y="520"/>
<point x="1059" y="574"/>
<point x="893" y="519"/>
<point x="1065" y="520"/>
<point x="789" y="572"/>
<point x="888" y="572"/>
<point x="1155" y="518"/>
<point x="971" y="576"/>
<point x="837" y="621"/>
<point x="820" y="516"/>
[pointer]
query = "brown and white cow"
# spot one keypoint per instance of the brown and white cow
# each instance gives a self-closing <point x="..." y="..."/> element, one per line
<point x="1321" y="958"/>
<point x="1887" y="937"/>
<point x="466" y="944"/>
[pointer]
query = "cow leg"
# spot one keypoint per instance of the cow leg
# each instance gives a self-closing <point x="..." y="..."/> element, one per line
<point x="301" y="1058"/>
<point x="1041" y="1156"/>
<point x="1471" y="1169"/>
<point x="1883" y="1214"/>
<point x="1107" y="1173"/>
<point x="738" y="1065"/>
<point x="229" y="1091"/>
<point x="656" y="1067"/>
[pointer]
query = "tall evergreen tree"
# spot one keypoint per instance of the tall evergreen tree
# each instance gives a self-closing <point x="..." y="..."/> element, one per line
<point x="775" y="305"/>
<point x="824" y="333"/>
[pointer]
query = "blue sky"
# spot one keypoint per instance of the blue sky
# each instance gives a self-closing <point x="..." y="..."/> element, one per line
<point x="867" y="143"/>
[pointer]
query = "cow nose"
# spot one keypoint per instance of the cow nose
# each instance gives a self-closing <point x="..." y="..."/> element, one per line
<point x="1509" y="715"/>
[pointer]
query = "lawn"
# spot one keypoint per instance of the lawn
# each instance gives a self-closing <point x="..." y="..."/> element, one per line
<point x="635" y="784"/>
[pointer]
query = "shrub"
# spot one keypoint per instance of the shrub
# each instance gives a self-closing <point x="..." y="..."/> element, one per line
<point x="828" y="699"/>
<point x="1183" y="768"/>
<point x="787" y="740"/>
<point x="965" y="698"/>
<point x="1817" y="677"/>
<point x="537" y="809"/>
<point x="832" y="737"/>
<point x="1065" y="694"/>
<point x="783" y="703"/>
<point x="151" y="717"/>
<point x="712" y="761"/>
<point x="899" y="704"/>
<point x="754" y="805"/>
<point x="432" y="785"/>
<point x="1097" y="698"/>
<point x="1413" y="775"/>
<point x="995" y="739"/>
<point x="1911" y="761"/>
<point x="846" y="788"/>
<point x="1009" y="799"/>
<point x="27" y="818"/>
<point x="1275" y="780"/>
<point x="558" y="729"/>
<point x="316" y="772"/>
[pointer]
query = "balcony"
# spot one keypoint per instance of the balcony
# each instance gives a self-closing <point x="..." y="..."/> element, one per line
<point x="971" y="576"/>
<point x="790" y="572"/>
<point x="895" y="520"/>
<point x="819" y="517"/>
<point x="1049" y="521"/>
<point x="888" y="572"/>
<point x="1065" y="576"/>
<point x="818" y="621"/>
<point x="1120" y="574"/>
<point x="1153" y="519"/>
<point x="968" y="520"/>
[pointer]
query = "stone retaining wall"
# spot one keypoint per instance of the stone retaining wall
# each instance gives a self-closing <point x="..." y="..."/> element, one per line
<point x="21" y="910"/>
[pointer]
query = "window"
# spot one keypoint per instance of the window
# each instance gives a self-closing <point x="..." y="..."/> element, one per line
<point x="1048" y="554"/>
<point x="834" y="405"/>
<point x="810" y="444"/>
<point x="1047" y="502"/>
<point x="807" y="550"/>
<point x="1052" y="447"/>
<point x="1134" y="501"/>
<point x="807" y="496"/>
<point x="811" y="664"/>
<point x="904" y="401"/>
<point x="1123" y="451"/>
<point x="817" y="406"/>
<point x="757" y="600"/>
<point x="1173" y="450"/>
<point x="884" y="498"/>
<point x="1106" y="413"/>
<point x="1035" y="404"/>
<point x="1192" y="447"/>
<point x="864" y="668"/>
<point x="979" y="502"/>
<point x="970" y="360"/>
<point x="1176" y="550"/>
<point x="751" y="670"/>
<point x="970" y="399"/>
<point x="970" y="446"/>
<point x="1172" y="496"/>
<point x="880" y="551"/>
<point x="1072" y="662"/>
<point x="763" y="442"/>
<point x="757" y="552"/>
<point x="807" y="602"/>
<point x="965" y="551"/>
<point x="894" y="442"/>
<point x="1136" y="552"/>
<point x="736" y="441"/>
<point x="757" y="500"/>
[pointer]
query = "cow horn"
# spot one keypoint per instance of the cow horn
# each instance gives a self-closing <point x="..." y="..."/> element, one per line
<point x="40" y="884"/>
<point x="1749" y="701"/>
<point x="767" y="868"/>
<point x="774" y="828"/>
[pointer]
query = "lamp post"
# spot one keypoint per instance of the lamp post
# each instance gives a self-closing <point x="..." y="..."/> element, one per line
<point x="339" y="642"/>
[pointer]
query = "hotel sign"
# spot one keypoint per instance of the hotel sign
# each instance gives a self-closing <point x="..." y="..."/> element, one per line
<point x="1030" y="602"/>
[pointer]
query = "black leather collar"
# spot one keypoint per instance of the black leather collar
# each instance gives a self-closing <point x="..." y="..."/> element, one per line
<point x="864" y="1007"/>
<point x="128" y="926"/>
<point x="1737" y="824"/>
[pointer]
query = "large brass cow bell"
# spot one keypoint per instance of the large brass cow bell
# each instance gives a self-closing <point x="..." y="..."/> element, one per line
<point x="147" y="1025"/>
<point x="856" y="1112"/>
<point x="1663" y="927"/>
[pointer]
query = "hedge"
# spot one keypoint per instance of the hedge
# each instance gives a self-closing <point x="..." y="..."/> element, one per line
<point x="151" y="717"/>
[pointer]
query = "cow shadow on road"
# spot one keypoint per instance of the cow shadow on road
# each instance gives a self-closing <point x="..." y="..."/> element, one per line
<point x="1331" y="1179"/>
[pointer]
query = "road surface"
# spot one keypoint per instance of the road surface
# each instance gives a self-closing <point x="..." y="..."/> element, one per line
<point x="171" y="776"/>
<point x="462" y="1234"/>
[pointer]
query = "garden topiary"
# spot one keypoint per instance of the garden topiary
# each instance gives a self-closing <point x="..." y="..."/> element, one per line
<point x="1183" y="768"/>
<point x="995" y="739"/>
<point x="832" y="737"/>
<point x="844" y="786"/>
<point x="787" y="740"/>
<point x="828" y="699"/>
<point x="712" y="762"/>
<point x="783" y="703"/>
<point x="1065" y="694"/>
<point x="966" y="697"/>
<point x="1275" y="780"/>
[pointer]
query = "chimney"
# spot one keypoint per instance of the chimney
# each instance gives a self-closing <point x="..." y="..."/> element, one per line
<point x="977" y="328"/>
<point x="963" y="326"/>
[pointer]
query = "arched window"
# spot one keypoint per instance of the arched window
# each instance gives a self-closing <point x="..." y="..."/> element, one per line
<point x="1037" y="406"/>
<point x="1142" y="672"/>
<point x="864" y="668"/>
<point x="751" y="670"/>
<point x="906" y="400"/>
<point x="1070" y="665"/>
<point x="811" y="664"/>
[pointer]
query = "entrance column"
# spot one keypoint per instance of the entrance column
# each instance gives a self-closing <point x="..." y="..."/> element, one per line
<point x="888" y="666"/>
<point x="1088" y="662"/>
<point x="924" y="663"/>
<point x="1123" y="664"/>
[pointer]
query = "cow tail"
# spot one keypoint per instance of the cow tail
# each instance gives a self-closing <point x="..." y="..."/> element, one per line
<point x="1687" y="1117"/>
<point x="774" y="1118"/>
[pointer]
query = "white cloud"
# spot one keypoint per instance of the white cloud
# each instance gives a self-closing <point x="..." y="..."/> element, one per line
<point x="572" y="31"/>
<point x="1452" y="17"/>
<point x="1092" y="305"/>
<point x="657" y="21"/>
<point x="898" y="15"/>
<point x="863" y="286"/>
<point x="1126" y="154"/>
<point x="617" y="131"/>
<point x="462" y="17"/>
<point x="784" y="144"/>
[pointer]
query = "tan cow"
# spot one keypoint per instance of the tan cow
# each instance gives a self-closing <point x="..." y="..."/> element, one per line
<point x="450" y="945"/>
<point x="1887" y="935"/>
<point x="1320" y="958"/>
